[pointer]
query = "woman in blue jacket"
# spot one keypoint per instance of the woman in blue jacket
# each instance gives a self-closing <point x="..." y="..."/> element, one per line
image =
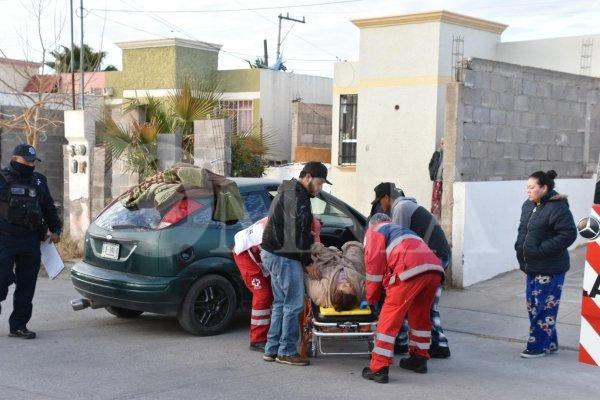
<point x="545" y="232"/>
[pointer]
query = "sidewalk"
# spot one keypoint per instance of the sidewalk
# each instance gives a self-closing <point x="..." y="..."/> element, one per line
<point x="495" y="309"/>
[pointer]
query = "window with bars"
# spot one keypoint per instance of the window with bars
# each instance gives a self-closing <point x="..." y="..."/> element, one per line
<point x="348" y="108"/>
<point x="240" y="112"/>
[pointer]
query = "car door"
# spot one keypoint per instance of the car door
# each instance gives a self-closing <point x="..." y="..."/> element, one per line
<point x="340" y="222"/>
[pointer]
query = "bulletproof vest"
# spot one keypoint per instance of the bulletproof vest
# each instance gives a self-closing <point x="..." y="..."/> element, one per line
<point x="20" y="202"/>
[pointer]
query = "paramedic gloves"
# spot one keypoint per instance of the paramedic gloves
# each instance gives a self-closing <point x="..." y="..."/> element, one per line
<point x="364" y="304"/>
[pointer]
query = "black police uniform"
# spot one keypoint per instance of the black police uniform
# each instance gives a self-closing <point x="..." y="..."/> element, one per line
<point x="27" y="211"/>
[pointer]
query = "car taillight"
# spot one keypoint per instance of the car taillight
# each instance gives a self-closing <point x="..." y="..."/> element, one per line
<point x="179" y="211"/>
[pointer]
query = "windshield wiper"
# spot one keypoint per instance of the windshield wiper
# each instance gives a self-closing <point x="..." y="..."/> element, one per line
<point x="129" y="226"/>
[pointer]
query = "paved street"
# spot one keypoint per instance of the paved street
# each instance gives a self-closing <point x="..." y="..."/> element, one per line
<point x="93" y="355"/>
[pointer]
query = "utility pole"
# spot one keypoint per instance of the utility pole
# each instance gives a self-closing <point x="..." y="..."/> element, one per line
<point x="72" y="59"/>
<point x="81" y="60"/>
<point x="266" y="54"/>
<point x="281" y="17"/>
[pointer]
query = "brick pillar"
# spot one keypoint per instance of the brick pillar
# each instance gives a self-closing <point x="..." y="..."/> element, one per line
<point x="101" y="180"/>
<point x="212" y="145"/>
<point x="170" y="149"/>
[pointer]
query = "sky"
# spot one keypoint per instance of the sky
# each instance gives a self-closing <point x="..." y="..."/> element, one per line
<point x="310" y="48"/>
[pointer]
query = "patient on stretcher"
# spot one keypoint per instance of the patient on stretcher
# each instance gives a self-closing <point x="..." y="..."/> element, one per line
<point x="342" y="276"/>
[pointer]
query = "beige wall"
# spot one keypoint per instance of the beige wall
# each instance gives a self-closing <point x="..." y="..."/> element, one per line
<point x="558" y="54"/>
<point x="277" y="91"/>
<point x="409" y="66"/>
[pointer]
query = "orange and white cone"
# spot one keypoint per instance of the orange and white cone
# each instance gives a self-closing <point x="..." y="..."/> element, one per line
<point x="589" y="342"/>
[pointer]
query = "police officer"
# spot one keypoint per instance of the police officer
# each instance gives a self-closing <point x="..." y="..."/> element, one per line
<point x="27" y="211"/>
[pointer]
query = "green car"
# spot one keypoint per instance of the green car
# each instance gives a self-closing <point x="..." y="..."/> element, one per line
<point x="179" y="262"/>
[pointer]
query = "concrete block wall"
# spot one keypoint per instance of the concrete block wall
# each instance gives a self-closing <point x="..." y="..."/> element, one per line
<point x="311" y="131"/>
<point x="503" y="122"/>
<point x="49" y="149"/>
<point x="212" y="145"/>
<point x="515" y="120"/>
<point x="101" y="180"/>
<point x="122" y="180"/>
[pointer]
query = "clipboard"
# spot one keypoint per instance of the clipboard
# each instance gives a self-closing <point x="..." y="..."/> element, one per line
<point x="51" y="259"/>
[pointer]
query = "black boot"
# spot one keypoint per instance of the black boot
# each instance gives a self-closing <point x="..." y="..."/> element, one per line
<point x="437" y="351"/>
<point x="380" y="376"/>
<point x="414" y="363"/>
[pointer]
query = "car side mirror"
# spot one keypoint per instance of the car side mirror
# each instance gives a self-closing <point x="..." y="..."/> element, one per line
<point x="589" y="228"/>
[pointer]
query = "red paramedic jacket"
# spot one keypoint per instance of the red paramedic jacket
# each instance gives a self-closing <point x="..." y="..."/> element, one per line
<point x="393" y="252"/>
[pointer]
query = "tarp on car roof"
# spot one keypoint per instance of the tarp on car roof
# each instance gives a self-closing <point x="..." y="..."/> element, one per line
<point x="183" y="180"/>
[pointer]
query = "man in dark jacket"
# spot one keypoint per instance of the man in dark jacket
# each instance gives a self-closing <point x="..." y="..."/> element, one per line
<point x="286" y="255"/>
<point x="408" y="214"/>
<point x="27" y="211"/>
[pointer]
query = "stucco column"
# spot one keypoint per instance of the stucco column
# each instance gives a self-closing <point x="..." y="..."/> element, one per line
<point x="80" y="135"/>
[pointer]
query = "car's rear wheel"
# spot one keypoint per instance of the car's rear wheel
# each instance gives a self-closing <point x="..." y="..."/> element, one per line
<point x="209" y="306"/>
<point x="123" y="312"/>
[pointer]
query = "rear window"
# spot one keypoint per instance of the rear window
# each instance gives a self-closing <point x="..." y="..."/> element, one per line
<point x="118" y="216"/>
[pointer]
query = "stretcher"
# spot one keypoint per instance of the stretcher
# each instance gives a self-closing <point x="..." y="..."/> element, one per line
<point x="320" y="325"/>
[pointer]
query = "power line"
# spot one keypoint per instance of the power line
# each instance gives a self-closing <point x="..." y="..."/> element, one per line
<point x="231" y="53"/>
<point x="299" y="37"/>
<point x="172" y="26"/>
<point x="228" y="9"/>
<point x="126" y="25"/>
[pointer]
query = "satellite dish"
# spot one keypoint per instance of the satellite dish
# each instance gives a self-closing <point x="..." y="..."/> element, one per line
<point x="589" y="228"/>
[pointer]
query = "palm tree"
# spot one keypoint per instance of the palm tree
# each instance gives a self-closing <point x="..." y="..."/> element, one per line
<point x="259" y="62"/>
<point x="62" y="59"/>
<point x="137" y="144"/>
<point x="248" y="149"/>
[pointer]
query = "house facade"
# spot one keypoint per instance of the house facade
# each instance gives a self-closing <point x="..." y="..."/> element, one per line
<point x="504" y="110"/>
<point x="388" y="108"/>
<point x="261" y="99"/>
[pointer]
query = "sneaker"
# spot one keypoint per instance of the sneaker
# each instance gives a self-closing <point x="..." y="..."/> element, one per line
<point x="269" y="357"/>
<point x="23" y="334"/>
<point x="380" y="376"/>
<point x="533" y="353"/>
<point x="437" y="351"/>
<point x="257" y="347"/>
<point x="292" y="360"/>
<point x="400" y="349"/>
<point x="414" y="363"/>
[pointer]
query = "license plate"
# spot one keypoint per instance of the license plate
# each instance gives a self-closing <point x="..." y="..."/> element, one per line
<point x="110" y="250"/>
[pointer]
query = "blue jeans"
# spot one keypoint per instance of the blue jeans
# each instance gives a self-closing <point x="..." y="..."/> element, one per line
<point x="287" y="282"/>
<point x="543" y="298"/>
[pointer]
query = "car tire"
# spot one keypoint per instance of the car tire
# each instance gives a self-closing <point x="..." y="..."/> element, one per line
<point x="209" y="306"/>
<point x="123" y="312"/>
